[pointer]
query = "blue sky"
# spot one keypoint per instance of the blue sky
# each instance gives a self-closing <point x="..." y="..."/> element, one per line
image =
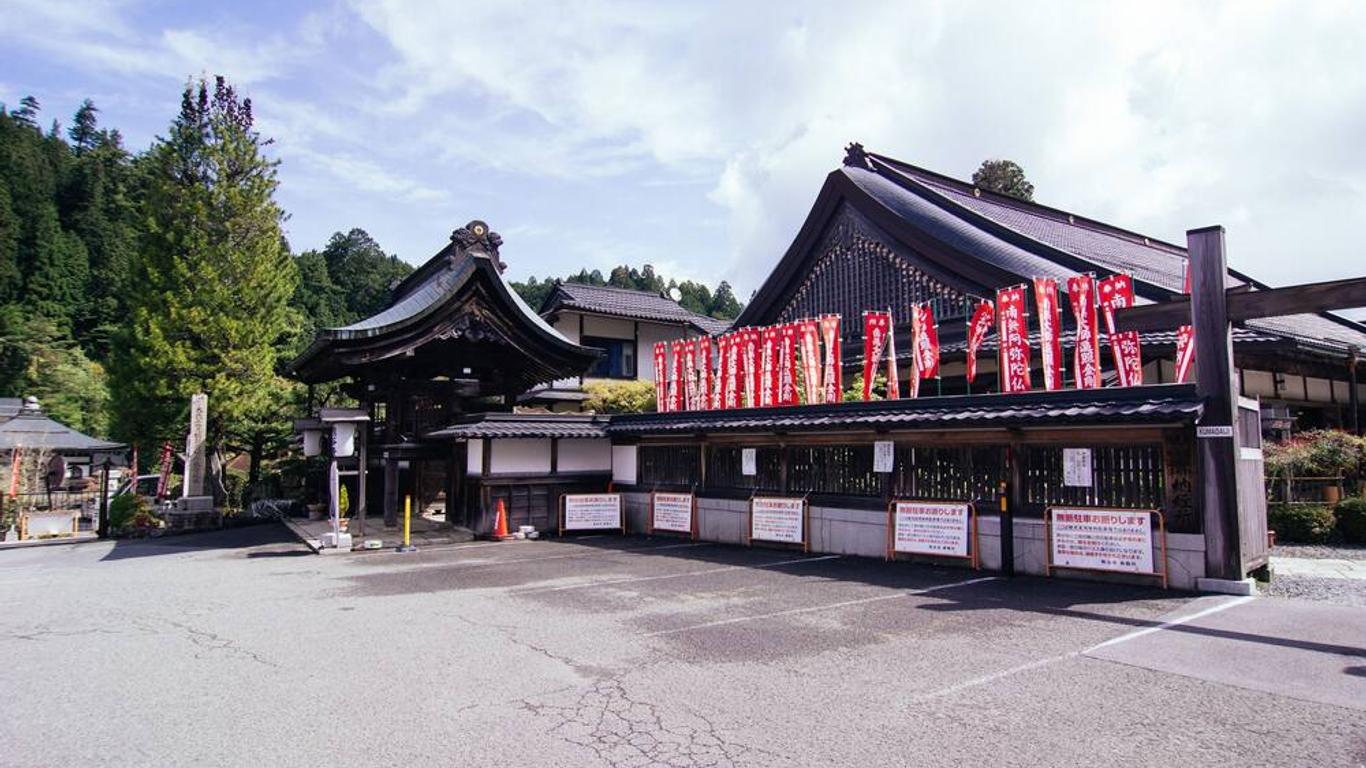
<point x="694" y="136"/>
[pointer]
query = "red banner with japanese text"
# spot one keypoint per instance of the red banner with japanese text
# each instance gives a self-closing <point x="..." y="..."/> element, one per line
<point x="1128" y="358"/>
<point x="893" y="373"/>
<point x="749" y="361"/>
<point x="1185" y="352"/>
<point x="926" y="345"/>
<point x="833" y="374"/>
<point x="809" y="345"/>
<point x="1050" y="338"/>
<point x="690" y="375"/>
<point x="676" y="375"/>
<point x="733" y="374"/>
<point x="876" y="328"/>
<point x="702" y="366"/>
<point x="787" y="365"/>
<point x="16" y="461"/>
<point x="978" y="328"/>
<point x="1081" y="292"/>
<point x="661" y="378"/>
<point x="1013" y="333"/>
<point x="768" y="370"/>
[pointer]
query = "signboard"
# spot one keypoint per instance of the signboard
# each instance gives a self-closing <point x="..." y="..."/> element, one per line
<point x="749" y="461"/>
<point x="671" y="512"/>
<point x="1101" y="539"/>
<point x="1076" y="467"/>
<point x="773" y="518"/>
<point x="884" y="454"/>
<point x="1214" y="431"/>
<point x="931" y="528"/>
<point x="592" y="512"/>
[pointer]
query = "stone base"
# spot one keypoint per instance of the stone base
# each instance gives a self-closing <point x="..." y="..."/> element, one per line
<point x="339" y="541"/>
<point x="1241" y="587"/>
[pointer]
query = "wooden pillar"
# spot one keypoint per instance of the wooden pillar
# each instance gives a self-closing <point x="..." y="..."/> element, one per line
<point x="1014" y="495"/>
<point x="1353" y="398"/>
<point x="390" y="491"/>
<point x="1217" y="435"/>
<point x="362" y="471"/>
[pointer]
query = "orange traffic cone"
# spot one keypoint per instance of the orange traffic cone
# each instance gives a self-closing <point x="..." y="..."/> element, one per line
<point x="500" y="527"/>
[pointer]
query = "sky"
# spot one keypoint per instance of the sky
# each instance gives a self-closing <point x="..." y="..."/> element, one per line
<point x="694" y="136"/>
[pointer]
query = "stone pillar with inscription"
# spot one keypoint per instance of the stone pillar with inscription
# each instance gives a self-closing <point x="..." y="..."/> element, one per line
<point x="193" y="484"/>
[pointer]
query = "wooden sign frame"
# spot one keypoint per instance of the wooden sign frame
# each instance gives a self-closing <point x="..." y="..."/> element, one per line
<point x="806" y="523"/>
<point x="974" y="555"/>
<point x="650" y="516"/>
<point x="1049" y="566"/>
<point x="621" y="513"/>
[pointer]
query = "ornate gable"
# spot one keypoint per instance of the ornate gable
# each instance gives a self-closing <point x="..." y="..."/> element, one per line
<point x="855" y="267"/>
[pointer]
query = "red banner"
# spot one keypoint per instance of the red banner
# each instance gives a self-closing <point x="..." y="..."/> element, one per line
<point x="732" y="370"/>
<point x="1185" y="352"/>
<point x="787" y="365"/>
<point x="978" y="328"/>
<point x="809" y="344"/>
<point x="164" y="481"/>
<point x="748" y="339"/>
<point x="702" y="371"/>
<point x="833" y="375"/>
<point x="927" y="342"/>
<point x="16" y="460"/>
<point x="876" y="328"/>
<point x="1116" y="292"/>
<point x="690" y="376"/>
<point x="661" y="378"/>
<point x="893" y="374"/>
<point x="1012" y="330"/>
<point x="1050" y="338"/>
<point x="768" y="367"/>
<point x="676" y="375"/>
<point x="1081" y="292"/>
<point x="1128" y="358"/>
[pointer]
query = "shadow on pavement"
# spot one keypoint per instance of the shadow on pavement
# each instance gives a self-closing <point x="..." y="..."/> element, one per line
<point x="263" y="534"/>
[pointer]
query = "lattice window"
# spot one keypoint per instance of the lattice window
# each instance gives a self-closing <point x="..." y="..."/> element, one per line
<point x="955" y="473"/>
<point x="1122" y="476"/>
<point x="724" y="469"/>
<point x="669" y="465"/>
<point x="842" y="470"/>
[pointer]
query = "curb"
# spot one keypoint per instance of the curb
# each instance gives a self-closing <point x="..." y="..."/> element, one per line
<point x="52" y="542"/>
<point x="302" y="535"/>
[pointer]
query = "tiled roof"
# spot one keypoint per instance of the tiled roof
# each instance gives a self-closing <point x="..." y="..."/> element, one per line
<point x="524" y="425"/>
<point x="9" y="407"/>
<point x="624" y="302"/>
<point x="1109" y="248"/>
<point x="34" y="430"/>
<point x="1163" y="404"/>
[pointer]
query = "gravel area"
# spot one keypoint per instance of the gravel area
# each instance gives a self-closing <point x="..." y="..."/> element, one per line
<point x="1321" y="551"/>
<point x="1340" y="591"/>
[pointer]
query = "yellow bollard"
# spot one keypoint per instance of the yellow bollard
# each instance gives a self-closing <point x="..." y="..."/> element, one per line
<point x="407" y="545"/>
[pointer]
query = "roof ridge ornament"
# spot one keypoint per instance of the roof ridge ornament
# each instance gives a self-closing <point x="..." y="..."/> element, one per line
<point x="854" y="155"/>
<point x="477" y="234"/>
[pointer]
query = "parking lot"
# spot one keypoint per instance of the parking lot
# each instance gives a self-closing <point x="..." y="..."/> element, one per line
<point x="241" y="648"/>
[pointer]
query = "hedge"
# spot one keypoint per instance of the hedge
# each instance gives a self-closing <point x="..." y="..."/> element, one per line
<point x="1301" y="523"/>
<point x="1351" y="517"/>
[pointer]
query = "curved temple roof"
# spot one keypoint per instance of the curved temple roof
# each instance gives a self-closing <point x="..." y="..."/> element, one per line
<point x="459" y="299"/>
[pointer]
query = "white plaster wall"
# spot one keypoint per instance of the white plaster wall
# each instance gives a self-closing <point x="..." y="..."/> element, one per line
<point x="624" y="464"/>
<point x="567" y="323"/>
<point x="1319" y="390"/>
<point x="608" y="327"/>
<point x="649" y="334"/>
<point x="1258" y="383"/>
<point x="584" y="455"/>
<point x="1293" y="388"/>
<point x="1342" y="390"/>
<point x="520" y="456"/>
<point x="474" y="457"/>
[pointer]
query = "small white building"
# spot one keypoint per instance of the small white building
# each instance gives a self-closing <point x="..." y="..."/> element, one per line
<point x="623" y="323"/>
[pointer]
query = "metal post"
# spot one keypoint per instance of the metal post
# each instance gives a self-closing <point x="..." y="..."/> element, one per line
<point x="1007" y="524"/>
<point x="363" y="467"/>
<point x="1216" y="435"/>
<point x="1353" y="398"/>
<point x="407" y="545"/>
<point x="102" y="528"/>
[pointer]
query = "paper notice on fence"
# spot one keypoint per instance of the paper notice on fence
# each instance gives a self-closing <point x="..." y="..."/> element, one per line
<point x="1102" y="539"/>
<point x="884" y="456"/>
<point x="592" y="511"/>
<point x="672" y="512"/>
<point x="931" y="528"/>
<point x="1076" y="467"/>
<point x="776" y="519"/>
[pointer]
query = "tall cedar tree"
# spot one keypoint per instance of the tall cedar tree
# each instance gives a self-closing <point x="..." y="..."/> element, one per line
<point x="210" y="284"/>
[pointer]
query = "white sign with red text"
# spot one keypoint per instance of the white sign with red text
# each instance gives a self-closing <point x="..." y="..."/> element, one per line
<point x="672" y="512"/>
<point x="931" y="528"/>
<point x="592" y="511"/>
<point x="774" y="518"/>
<point x="1101" y="539"/>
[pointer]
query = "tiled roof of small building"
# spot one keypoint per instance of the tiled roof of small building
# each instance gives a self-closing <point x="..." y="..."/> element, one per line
<point x="525" y="425"/>
<point x="624" y="302"/>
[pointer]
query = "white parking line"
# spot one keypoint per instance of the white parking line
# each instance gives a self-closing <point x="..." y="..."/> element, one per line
<point x="703" y="572"/>
<point x="492" y="562"/>
<point x="994" y="676"/>
<point x="825" y="607"/>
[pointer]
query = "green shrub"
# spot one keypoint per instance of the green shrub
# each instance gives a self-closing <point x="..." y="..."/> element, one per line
<point x="124" y="509"/>
<point x="1301" y="523"/>
<point x="1351" y="517"/>
<point x="635" y="396"/>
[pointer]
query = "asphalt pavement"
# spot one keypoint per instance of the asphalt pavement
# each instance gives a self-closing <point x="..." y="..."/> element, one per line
<point x="242" y="648"/>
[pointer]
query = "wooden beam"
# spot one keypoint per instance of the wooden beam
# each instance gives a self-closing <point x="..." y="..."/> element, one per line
<point x="1243" y="304"/>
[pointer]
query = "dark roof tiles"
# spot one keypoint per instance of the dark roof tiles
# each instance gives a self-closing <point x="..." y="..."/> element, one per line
<point x="624" y="302"/>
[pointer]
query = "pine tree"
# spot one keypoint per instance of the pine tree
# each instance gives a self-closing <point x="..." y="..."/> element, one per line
<point x="9" y="249"/>
<point x="210" y="289"/>
<point x="83" y="132"/>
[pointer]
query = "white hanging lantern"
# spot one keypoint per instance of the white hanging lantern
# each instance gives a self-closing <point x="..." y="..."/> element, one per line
<point x="344" y="438"/>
